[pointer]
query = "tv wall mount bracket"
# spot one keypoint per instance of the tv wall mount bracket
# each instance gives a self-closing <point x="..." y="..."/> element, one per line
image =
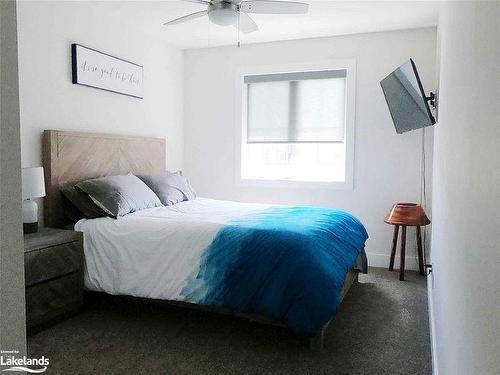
<point x="431" y="99"/>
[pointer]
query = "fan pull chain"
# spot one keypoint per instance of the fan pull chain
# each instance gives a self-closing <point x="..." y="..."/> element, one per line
<point x="208" y="32"/>
<point x="239" y="32"/>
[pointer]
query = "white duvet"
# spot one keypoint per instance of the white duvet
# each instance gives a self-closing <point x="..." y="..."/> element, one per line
<point x="152" y="253"/>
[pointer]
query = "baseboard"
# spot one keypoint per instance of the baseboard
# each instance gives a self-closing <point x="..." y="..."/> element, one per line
<point x="382" y="260"/>
<point x="432" y="327"/>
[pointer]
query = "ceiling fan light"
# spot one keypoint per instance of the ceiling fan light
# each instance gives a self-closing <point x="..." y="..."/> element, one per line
<point x="223" y="14"/>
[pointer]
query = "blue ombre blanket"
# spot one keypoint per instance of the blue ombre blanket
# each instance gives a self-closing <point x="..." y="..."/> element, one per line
<point x="287" y="263"/>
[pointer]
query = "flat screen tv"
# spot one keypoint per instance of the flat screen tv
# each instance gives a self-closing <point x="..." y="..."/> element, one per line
<point x="406" y="99"/>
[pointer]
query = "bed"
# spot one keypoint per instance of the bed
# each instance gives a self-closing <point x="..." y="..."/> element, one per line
<point x="281" y="265"/>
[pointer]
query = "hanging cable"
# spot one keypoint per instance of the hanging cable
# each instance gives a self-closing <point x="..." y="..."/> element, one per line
<point x="423" y="191"/>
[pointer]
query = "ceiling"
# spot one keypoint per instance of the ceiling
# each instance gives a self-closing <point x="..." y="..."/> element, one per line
<point x="325" y="18"/>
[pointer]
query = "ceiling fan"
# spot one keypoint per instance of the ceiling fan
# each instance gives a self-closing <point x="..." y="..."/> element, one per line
<point x="234" y="12"/>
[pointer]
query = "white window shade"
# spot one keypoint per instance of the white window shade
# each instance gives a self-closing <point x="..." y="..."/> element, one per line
<point x="297" y="107"/>
<point x="268" y="111"/>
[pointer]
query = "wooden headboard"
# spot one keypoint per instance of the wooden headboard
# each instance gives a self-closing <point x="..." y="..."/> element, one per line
<point x="70" y="157"/>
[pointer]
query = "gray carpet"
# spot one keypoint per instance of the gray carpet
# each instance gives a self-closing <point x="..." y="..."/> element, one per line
<point x="381" y="328"/>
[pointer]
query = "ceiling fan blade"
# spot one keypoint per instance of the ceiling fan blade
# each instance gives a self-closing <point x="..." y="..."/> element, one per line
<point x="246" y="24"/>
<point x="202" y="2"/>
<point x="273" y="7"/>
<point x="189" y="17"/>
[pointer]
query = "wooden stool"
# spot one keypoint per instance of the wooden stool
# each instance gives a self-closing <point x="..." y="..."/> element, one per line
<point x="406" y="215"/>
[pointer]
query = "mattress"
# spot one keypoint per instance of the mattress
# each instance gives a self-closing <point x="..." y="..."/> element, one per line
<point x="284" y="262"/>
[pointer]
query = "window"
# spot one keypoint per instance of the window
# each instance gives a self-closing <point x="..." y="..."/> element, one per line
<point x="295" y="126"/>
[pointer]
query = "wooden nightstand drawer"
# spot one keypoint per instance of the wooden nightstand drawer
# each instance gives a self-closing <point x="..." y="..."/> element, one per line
<point x="52" y="299"/>
<point x="52" y="262"/>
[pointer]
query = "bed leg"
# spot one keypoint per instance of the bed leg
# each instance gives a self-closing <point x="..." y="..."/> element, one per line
<point x="316" y="343"/>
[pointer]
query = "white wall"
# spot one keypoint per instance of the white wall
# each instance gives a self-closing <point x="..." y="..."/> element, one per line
<point x="12" y="315"/>
<point x="50" y="101"/>
<point x="466" y="192"/>
<point x="387" y="165"/>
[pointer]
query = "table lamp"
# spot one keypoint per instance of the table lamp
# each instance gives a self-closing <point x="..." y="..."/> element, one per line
<point x="33" y="187"/>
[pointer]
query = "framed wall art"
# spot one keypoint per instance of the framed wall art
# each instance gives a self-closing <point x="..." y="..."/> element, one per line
<point x="100" y="70"/>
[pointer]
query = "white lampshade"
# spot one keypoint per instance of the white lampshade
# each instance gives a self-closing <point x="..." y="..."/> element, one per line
<point x="33" y="183"/>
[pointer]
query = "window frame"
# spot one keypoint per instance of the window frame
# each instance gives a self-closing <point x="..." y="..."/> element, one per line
<point x="241" y="119"/>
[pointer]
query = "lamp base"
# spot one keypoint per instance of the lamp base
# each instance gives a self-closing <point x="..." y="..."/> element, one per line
<point x="30" y="228"/>
<point x="30" y="216"/>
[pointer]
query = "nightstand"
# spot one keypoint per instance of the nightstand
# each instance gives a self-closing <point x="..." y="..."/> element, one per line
<point x="53" y="266"/>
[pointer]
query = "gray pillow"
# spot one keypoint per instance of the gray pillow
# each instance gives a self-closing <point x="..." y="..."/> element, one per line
<point x="80" y="205"/>
<point x="170" y="187"/>
<point x="119" y="195"/>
